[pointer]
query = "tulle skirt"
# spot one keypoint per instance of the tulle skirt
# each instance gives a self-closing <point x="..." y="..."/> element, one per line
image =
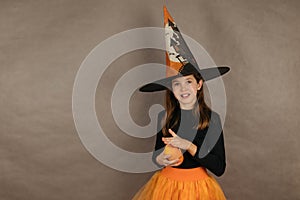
<point x="181" y="184"/>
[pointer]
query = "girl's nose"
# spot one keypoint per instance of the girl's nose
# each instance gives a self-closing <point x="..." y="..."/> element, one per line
<point x="183" y="87"/>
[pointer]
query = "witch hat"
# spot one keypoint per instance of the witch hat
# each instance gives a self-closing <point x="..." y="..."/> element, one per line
<point x="179" y="59"/>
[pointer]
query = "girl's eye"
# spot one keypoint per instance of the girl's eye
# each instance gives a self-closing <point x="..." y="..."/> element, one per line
<point x="189" y="82"/>
<point x="176" y="84"/>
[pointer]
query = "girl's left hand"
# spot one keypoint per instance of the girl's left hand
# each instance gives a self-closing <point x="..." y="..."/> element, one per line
<point x="177" y="141"/>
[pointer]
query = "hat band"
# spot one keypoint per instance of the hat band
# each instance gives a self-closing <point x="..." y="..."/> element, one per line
<point x="173" y="68"/>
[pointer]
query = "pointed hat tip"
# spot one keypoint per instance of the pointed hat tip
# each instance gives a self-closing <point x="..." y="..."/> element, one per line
<point x="167" y="15"/>
<point x="165" y="9"/>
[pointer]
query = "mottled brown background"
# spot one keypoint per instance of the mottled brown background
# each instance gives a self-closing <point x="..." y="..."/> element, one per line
<point x="43" y="43"/>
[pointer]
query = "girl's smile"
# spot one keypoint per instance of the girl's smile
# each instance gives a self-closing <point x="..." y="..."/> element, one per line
<point x="185" y="95"/>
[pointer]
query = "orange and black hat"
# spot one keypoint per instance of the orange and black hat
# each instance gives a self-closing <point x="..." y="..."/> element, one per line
<point x="179" y="59"/>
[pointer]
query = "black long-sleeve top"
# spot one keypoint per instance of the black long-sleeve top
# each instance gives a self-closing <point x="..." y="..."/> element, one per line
<point x="209" y="141"/>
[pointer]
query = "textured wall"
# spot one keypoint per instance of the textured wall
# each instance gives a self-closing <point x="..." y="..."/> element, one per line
<point x="43" y="43"/>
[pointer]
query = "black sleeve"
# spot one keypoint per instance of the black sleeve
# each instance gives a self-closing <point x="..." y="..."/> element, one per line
<point x="215" y="160"/>
<point x="159" y="144"/>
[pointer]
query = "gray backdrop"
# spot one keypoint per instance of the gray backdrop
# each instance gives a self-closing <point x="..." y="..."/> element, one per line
<point x="43" y="44"/>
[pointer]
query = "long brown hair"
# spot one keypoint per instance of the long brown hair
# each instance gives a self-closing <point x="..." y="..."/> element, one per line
<point x="172" y="118"/>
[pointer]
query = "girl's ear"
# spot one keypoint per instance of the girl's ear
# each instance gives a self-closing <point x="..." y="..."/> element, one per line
<point x="200" y="84"/>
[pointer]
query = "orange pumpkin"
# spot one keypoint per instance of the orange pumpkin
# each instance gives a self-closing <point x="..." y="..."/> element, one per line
<point x="175" y="154"/>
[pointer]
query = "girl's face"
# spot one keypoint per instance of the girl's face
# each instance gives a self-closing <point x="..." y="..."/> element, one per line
<point x="185" y="90"/>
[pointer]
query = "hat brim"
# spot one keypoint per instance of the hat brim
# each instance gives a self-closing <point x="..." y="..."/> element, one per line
<point x="165" y="83"/>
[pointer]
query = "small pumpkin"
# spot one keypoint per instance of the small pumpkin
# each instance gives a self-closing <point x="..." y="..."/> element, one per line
<point x="175" y="154"/>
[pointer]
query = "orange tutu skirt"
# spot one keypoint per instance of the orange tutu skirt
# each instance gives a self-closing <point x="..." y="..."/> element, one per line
<point x="181" y="184"/>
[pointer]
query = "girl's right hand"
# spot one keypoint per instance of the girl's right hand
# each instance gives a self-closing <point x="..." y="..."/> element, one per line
<point x="162" y="159"/>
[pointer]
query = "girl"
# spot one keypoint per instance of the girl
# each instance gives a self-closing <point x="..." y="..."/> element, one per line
<point x="184" y="125"/>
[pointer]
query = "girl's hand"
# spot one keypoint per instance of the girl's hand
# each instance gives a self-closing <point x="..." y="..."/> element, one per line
<point x="177" y="141"/>
<point x="162" y="159"/>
